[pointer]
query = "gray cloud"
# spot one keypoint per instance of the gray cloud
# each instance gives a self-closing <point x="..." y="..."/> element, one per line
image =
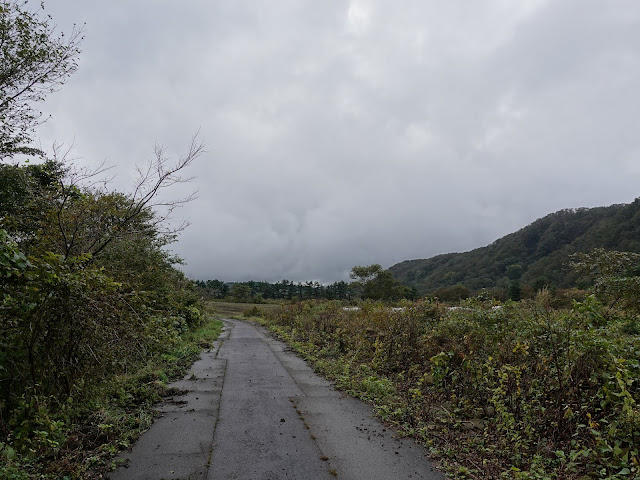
<point x="343" y="133"/>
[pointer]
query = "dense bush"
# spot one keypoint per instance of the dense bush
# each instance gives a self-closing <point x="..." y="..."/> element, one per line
<point x="87" y="292"/>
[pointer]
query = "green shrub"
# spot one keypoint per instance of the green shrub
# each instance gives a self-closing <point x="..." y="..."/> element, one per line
<point x="253" y="312"/>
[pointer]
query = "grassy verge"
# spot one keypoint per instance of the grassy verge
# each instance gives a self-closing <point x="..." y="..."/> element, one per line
<point x="522" y="391"/>
<point x="80" y="439"/>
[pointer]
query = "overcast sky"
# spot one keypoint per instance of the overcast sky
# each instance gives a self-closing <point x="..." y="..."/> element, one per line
<point x="342" y="133"/>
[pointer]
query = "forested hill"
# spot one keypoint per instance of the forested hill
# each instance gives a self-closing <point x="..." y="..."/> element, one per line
<point x="535" y="255"/>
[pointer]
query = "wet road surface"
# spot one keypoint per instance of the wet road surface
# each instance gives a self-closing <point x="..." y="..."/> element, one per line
<point x="253" y="410"/>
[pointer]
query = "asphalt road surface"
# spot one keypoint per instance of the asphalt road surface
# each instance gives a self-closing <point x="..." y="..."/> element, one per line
<point x="251" y="409"/>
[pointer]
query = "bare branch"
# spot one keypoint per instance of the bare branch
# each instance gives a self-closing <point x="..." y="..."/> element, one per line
<point x="158" y="174"/>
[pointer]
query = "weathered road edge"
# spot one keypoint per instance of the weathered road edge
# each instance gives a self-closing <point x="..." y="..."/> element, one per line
<point x="358" y="446"/>
<point x="178" y="445"/>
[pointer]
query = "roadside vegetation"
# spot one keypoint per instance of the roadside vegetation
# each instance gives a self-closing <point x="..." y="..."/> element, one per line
<point x="79" y="437"/>
<point x="521" y="390"/>
<point x="95" y="318"/>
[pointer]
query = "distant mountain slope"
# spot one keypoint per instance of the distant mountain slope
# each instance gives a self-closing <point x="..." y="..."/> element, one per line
<point x="538" y="252"/>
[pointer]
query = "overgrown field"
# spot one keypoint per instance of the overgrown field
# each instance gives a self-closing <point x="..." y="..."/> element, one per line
<point x="519" y="391"/>
<point x="233" y="309"/>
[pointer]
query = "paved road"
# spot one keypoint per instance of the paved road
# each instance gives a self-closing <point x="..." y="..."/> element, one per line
<point x="253" y="410"/>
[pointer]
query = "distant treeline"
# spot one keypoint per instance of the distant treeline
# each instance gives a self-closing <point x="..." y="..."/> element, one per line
<point x="282" y="290"/>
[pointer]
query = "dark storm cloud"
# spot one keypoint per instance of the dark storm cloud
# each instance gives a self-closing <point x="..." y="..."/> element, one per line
<point x="343" y="133"/>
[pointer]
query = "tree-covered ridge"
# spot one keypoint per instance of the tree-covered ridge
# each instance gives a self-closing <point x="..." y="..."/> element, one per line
<point x="535" y="255"/>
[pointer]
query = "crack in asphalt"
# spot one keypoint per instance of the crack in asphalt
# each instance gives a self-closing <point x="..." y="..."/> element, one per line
<point x="234" y="422"/>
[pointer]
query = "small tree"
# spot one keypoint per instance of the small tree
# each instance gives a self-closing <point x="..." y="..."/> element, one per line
<point x="515" y="291"/>
<point x="454" y="293"/>
<point x="375" y="283"/>
<point x="362" y="276"/>
<point x="57" y="207"/>
<point x="35" y="60"/>
<point x="240" y="292"/>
